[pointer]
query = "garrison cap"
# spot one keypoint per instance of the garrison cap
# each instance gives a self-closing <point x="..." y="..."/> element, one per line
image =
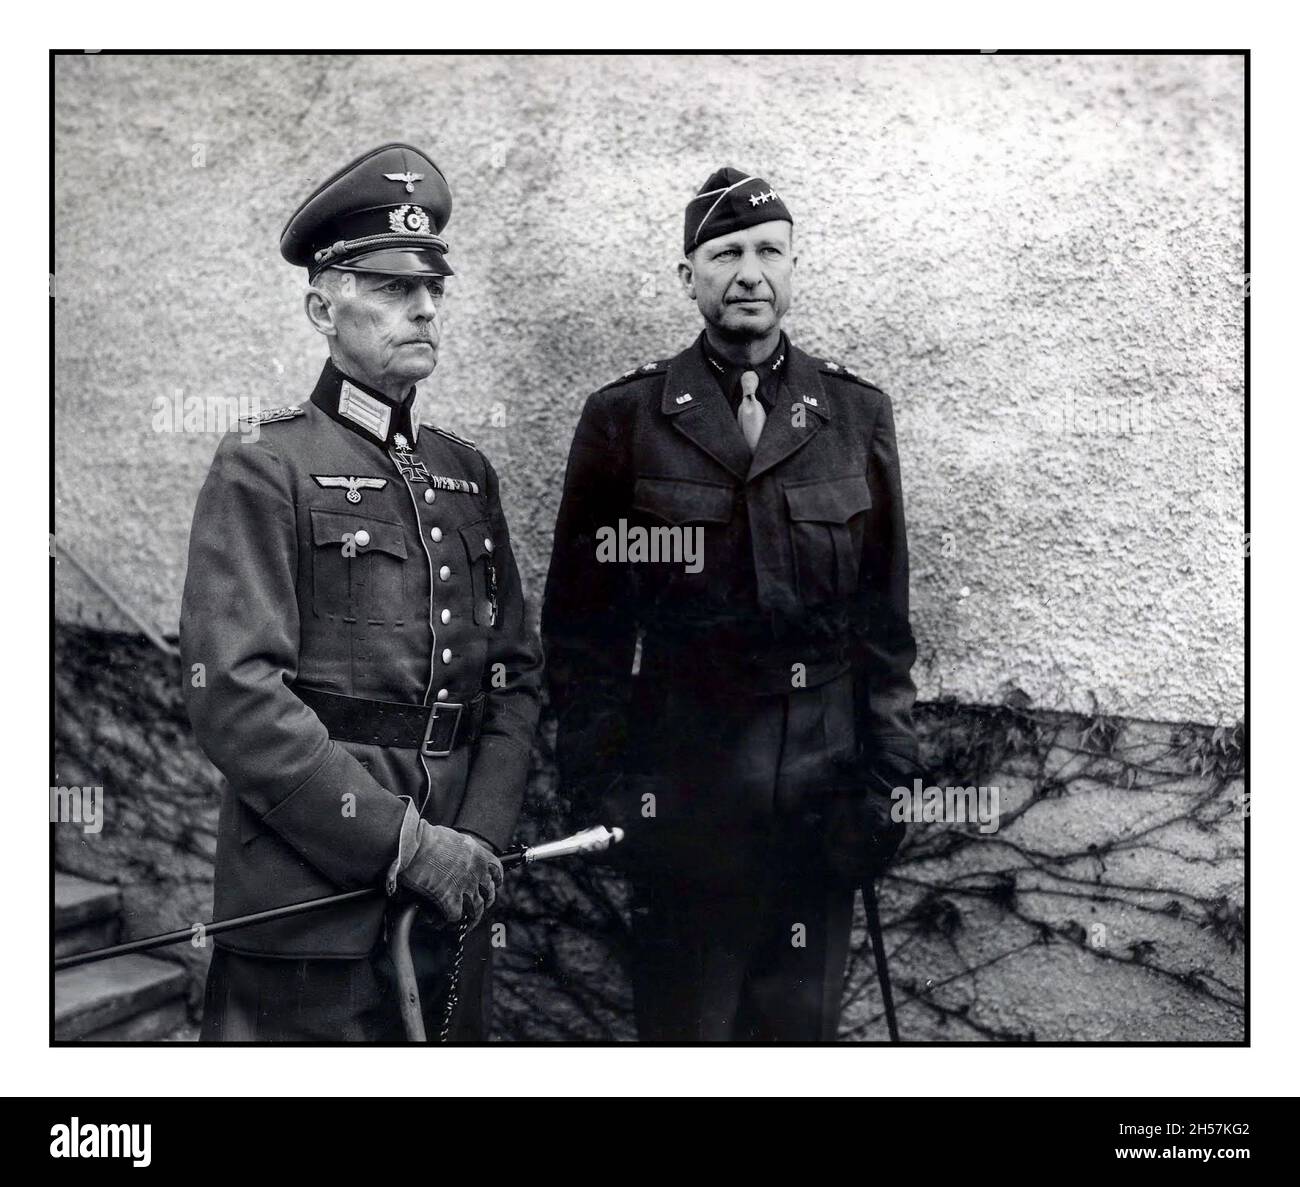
<point x="729" y="201"/>
<point x="383" y="212"/>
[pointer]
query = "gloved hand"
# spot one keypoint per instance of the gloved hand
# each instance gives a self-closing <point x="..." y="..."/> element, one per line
<point x="454" y="872"/>
<point x="860" y="836"/>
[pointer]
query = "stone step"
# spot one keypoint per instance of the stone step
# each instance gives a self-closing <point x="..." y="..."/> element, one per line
<point x="101" y="934"/>
<point x="122" y="998"/>
<point x="160" y="1024"/>
<point x="78" y="902"/>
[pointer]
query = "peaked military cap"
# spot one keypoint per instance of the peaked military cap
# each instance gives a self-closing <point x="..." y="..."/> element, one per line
<point x="729" y="201"/>
<point x="383" y="212"/>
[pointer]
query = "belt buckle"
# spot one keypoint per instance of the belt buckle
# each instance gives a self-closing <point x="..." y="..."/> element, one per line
<point x="441" y="706"/>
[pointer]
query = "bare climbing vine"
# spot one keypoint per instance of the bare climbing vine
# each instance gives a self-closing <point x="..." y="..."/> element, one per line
<point x="1107" y="905"/>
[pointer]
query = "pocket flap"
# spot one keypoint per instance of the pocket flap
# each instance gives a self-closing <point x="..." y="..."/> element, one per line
<point x="836" y="500"/>
<point x="330" y="527"/>
<point x="478" y="539"/>
<point x="681" y="500"/>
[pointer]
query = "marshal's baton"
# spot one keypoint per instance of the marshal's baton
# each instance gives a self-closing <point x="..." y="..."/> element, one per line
<point x="590" y="841"/>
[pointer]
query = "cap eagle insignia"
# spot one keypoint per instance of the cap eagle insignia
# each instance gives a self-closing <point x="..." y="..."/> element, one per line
<point x="408" y="179"/>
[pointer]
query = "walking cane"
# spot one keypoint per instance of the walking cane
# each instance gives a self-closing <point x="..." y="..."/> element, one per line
<point x="872" y="910"/>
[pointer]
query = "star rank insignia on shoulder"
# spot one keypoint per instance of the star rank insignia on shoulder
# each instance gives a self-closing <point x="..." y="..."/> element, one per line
<point x="636" y="373"/>
<point x="270" y="415"/>
<point x="832" y="368"/>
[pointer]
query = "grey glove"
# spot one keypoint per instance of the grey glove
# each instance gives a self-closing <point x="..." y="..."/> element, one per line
<point x="454" y="872"/>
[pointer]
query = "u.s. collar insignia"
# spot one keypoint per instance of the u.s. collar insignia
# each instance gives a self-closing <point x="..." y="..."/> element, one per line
<point x="409" y="220"/>
<point x="810" y="400"/>
<point x="685" y="398"/>
<point x="354" y="486"/>
<point x="409" y="178"/>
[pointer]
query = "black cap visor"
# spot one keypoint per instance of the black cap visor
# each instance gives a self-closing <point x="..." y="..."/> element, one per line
<point x="397" y="261"/>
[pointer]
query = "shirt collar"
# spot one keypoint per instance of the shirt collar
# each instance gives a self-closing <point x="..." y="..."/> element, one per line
<point x="728" y="373"/>
<point x="364" y="411"/>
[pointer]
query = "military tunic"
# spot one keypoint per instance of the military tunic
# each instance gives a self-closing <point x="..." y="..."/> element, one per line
<point x="348" y="558"/>
<point x="710" y="713"/>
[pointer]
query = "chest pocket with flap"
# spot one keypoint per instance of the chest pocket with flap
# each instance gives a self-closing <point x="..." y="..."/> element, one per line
<point x="480" y="551"/>
<point x="827" y="543"/>
<point x="358" y="567"/>
<point x="684" y="500"/>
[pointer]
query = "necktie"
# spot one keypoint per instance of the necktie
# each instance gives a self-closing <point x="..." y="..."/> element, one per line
<point x="750" y="414"/>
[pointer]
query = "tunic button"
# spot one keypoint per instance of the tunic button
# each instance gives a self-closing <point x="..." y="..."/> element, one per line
<point x="446" y="617"/>
<point x="362" y="538"/>
<point x="487" y="543"/>
<point x="444" y="574"/>
<point x="443" y="694"/>
<point x="446" y="655"/>
<point x="435" y="534"/>
<point x="429" y="496"/>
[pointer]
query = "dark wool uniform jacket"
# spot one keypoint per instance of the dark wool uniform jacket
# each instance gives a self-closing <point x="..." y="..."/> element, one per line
<point x="424" y="606"/>
<point x="781" y="670"/>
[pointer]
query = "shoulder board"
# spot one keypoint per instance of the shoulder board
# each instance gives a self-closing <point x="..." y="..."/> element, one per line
<point x="269" y="415"/>
<point x="453" y="437"/>
<point x="638" y="372"/>
<point x="827" y="367"/>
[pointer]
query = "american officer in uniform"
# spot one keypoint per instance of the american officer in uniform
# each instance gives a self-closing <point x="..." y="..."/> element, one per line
<point x="355" y="652"/>
<point x="743" y="718"/>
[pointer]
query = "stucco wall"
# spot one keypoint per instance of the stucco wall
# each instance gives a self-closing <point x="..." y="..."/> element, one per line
<point x="1041" y="260"/>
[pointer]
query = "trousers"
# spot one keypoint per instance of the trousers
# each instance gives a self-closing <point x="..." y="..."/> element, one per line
<point x="260" y="999"/>
<point x="754" y="958"/>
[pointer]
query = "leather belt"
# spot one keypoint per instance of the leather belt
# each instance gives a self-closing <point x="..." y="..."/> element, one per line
<point x="434" y="730"/>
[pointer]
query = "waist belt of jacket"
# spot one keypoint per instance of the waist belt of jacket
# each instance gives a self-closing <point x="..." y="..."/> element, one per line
<point x="434" y="730"/>
<point x="772" y="673"/>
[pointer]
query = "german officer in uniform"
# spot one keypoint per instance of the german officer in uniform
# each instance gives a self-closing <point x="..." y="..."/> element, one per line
<point x="743" y="717"/>
<point x="356" y="658"/>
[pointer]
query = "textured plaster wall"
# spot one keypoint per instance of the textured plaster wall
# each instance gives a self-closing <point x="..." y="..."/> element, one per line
<point x="1040" y="258"/>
